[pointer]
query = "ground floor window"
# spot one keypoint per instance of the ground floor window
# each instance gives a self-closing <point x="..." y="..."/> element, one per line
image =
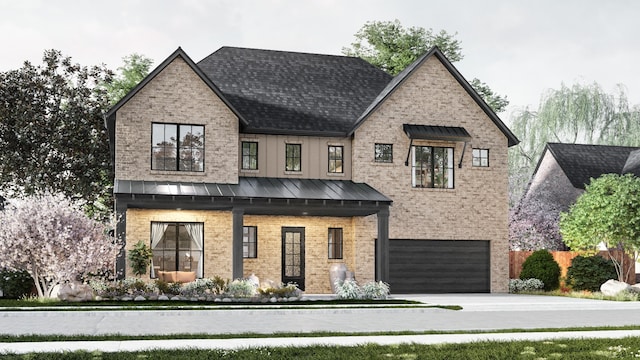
<point x="177" y="247"/>
<point x="250" y="242"/>
<point x="335" y="243"/>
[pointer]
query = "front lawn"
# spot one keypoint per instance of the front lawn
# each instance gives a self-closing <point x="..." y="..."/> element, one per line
<point x="628" y="348"/>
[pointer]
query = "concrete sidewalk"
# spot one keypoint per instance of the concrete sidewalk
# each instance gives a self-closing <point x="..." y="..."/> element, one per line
<point x="480" y="312"/>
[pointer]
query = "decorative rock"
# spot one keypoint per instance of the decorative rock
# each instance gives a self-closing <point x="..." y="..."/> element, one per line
<point x="635" y="288"/>
<point x="614" y="287"/>
<point x="75" y="292"/>
<point x="163" y="297"/>
<point x="176" y="298"/>
<point x="153" y="297"/>
<point x="217" y="300"/>
<point x="193" y="299"/>
<point x="126" y="298"/>
<point x="273" y="299"/>
<point x="140" y="298"/>
<point x="226" y="300"/>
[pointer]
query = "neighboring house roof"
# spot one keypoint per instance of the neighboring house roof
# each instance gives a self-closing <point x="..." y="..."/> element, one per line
<point x="406" y="73"/>
<point x="284" y="92"/>
<point x="581" y="162"/>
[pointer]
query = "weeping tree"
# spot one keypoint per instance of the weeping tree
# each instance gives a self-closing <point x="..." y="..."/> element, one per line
<point x="580" y="114"/>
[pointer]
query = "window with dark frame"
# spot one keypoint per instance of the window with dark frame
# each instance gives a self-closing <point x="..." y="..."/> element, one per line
<point x="293" y="157"/>
<point x="177" y="247"/>
<point x="249" y="155"/>
<point x="480" y="157"/>
<point x="384" y="153"/>
<point x="177" y="147"/>
<point x="432" y="167"/>
<point x="336" y="159"/>
<point x="335" y="243"/>
<point x="250" y="242"/>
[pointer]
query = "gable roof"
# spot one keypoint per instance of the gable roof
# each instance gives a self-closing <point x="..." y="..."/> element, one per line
<point x="581" y="162"/>
<point x="406" y="73"/>
<point x="283" y="92"/>
<point x="110" y="116"/>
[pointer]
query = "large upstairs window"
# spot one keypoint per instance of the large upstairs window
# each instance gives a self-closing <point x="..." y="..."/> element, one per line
<point x="432" y="167"/>
<point x="336" y="159"/>
<point x="249" y="155"/>
<point x="177" y="147"/>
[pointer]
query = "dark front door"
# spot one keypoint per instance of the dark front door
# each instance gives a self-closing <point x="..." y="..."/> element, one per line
<point x="293" y="256"/>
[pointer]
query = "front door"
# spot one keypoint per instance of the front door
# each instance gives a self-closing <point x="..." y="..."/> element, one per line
<point x="293" y="256"/>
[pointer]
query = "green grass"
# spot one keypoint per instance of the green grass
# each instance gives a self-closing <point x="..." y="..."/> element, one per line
<point x="623" y="296"/>
<point x="35" y="305"/>
<point x="628" y="348"/>
<point x="4" y="338"/>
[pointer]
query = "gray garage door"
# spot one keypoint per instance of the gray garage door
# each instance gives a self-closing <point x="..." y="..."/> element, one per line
<point x="438" y="266"/>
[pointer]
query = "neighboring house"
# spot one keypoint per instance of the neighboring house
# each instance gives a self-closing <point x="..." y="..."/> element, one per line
<point x="281" y="164"/>
<point x="564" y="170"/>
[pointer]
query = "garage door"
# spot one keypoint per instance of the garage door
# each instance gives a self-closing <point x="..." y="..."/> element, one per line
<point x="438" y="266"/>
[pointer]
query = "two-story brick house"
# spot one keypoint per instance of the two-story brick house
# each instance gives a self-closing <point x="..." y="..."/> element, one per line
<point x="281" y="164"/>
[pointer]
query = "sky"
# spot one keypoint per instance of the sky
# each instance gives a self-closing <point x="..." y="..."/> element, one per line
<point x="520" y="48"/>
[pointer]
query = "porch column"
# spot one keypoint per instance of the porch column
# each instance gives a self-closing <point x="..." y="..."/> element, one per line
<point x="382" y="246"/>
<point x="121" y="235"/>
<point x="238" y="270"/>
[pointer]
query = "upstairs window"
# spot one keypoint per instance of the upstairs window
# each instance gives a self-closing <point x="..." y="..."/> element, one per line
<point x="293" y="155"/>
<point x="335" y="243"/>
<point x="249" y="155"/>
<point x="336" y="159"/>
<point x="480" y="157"/>
<point x="432" y="167"/>
<point x="177" y="147"/>
<point x="384" y="153"/>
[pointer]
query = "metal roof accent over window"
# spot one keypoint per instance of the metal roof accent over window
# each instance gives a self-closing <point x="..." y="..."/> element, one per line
<point x="428" y="132"/>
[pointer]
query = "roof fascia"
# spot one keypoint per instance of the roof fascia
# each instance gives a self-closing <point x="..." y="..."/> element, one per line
<point x="512" y="139"/>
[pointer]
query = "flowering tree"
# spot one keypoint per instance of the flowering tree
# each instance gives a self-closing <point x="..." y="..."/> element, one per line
<point x="533" y="225"/>
<point x="51" y="237"/>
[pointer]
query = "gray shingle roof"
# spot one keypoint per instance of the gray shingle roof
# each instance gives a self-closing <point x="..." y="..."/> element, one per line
<point x="582" y="162"/>
<point x="286" y="92"/>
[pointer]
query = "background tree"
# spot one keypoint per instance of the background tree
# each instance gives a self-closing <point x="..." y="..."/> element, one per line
<point x="52" y="132"/>
<point x="607" y="212"/>
<point x="135" y="68"/>
<point x="580" y="114"/>
<point x="389" y="46"/>
<point x="51" y="237"/>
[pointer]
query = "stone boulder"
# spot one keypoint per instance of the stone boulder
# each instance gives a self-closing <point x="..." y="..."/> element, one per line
<point x="614" y="287"/>
<point x="75" y="292"/>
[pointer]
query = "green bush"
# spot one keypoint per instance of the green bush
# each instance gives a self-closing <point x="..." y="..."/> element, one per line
<point x="15" y="283"/>
<point x="540" y="265"/>
<point x="588" y="273"/>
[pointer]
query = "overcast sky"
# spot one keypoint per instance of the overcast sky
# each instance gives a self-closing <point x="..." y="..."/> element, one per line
<point x="519" y="48"/>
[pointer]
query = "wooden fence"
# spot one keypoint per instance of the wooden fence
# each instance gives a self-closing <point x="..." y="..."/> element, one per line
<point x="563" y="258"/>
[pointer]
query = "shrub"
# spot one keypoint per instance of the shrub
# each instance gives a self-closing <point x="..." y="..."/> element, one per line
<point x="241" y="288"/>
<point x="140" y="257"/>
<point x="541" y="265"/>
<point x="375" y="290"/>
<point x="15" y="283"/>
<point x="348" y="289"/>
<point x="519" y="285"/>
<point x="283" y="291"/>
<point x="588" y="273"/>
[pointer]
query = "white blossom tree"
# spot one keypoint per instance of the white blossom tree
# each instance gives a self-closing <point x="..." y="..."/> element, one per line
<point x="51" y="237"/>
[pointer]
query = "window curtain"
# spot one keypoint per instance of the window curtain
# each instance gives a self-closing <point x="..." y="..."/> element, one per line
<point x="196" y="231"/>
<point x="157" y="232"/>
